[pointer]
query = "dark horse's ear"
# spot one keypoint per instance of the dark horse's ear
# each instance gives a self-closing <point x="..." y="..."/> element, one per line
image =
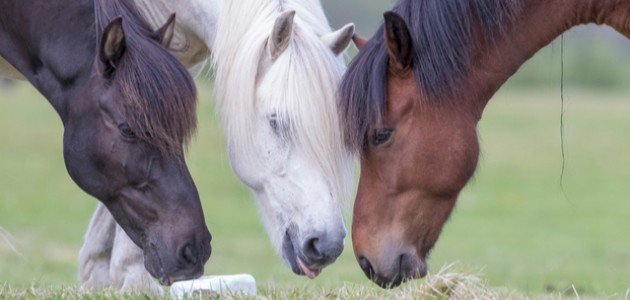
<point x="113" y="45"/>
<point x="165" y="34"/>
<point x="398" y="40"/>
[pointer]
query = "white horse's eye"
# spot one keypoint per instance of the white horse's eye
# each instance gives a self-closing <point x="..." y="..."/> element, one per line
<point x="279" y="127"/>
<point x="273" y="122"/>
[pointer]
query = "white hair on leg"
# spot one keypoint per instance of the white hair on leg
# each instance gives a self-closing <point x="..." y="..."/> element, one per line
<point x="109" y="258"/>
<point x="127" y="267"/>
<point x="94" y="256"/>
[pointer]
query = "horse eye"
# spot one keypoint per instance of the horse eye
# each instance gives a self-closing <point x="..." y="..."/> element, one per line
<point x="381" y="136"/>
<point x="273" y="122"/>
<point x="126" y="131"/>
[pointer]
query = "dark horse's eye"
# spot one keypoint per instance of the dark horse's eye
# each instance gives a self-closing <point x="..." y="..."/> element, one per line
<point x="381" y="136"/>
<point x="126" y="131"/>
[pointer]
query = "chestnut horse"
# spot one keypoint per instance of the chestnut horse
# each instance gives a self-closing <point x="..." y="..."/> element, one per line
<point x="128" y="107"/>
<point x="411" y="102"/>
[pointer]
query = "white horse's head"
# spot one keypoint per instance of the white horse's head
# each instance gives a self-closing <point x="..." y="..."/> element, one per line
<point x="277" y="78"/>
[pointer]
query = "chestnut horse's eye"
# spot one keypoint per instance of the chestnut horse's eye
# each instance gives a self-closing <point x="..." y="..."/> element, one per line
<point x="126" y="131"/>
<point x="381" y="136"/>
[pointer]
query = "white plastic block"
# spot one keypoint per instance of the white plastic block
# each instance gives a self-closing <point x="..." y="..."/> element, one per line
<point x="243" y="285"/>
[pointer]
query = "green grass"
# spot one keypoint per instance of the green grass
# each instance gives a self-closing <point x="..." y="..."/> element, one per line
<point x="512" y="222"/>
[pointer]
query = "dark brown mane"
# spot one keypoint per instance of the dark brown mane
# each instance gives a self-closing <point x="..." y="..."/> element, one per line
<point x="159" y="94"/>
<point x="444" y="32"/>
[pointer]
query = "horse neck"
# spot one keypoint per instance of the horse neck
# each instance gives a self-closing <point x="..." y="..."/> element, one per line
<point x="537" y="24"/>
<point x="53" y="52"/>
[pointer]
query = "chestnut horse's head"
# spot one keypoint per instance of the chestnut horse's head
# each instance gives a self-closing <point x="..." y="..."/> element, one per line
<point x="418" y="142"/>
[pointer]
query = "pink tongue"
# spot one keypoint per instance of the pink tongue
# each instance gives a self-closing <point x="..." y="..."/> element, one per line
<point x="311" y="274"/>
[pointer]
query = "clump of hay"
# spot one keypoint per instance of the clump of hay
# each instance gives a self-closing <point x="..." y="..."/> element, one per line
<point x="449" y="285"/>
<point x="445" y="284"/>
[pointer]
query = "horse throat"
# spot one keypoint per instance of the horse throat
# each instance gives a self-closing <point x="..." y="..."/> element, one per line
<point x="536" y="25"/>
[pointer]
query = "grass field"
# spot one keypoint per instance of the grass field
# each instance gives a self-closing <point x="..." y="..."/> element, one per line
<point x="512" y="223"/>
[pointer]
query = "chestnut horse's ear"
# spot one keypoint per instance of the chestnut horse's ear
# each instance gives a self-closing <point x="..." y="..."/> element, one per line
<point x="281" y="35"/>
<point x="164" y="35"/>
<point x="339" y="40"/>
<point x="359" y="41"/>
<point x="398" y="40"/>
<point x="113" y="44"/>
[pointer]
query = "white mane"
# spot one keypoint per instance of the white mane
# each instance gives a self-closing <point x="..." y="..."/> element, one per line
<point x="303" y="81"/>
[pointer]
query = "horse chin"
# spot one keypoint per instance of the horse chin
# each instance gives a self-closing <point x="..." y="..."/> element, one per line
<point x="154" y="266"/>
<point x="157" y="263"/>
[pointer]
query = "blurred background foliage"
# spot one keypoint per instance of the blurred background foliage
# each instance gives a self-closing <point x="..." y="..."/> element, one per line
<point x="594" y="56"/>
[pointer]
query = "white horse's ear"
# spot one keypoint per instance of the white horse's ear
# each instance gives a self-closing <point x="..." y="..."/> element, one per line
<point x="164" y="35"/>
<point x="281" y="35"/>
<point x="339" y="40"/>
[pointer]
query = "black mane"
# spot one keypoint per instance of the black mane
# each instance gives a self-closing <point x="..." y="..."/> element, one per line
<point x="444" y="32"/>
<point x="160" y="97"/>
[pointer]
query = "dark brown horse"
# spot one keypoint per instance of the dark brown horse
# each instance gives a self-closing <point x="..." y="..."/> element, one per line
<point x="128" y="107"/>
<point x="411" y="102"/>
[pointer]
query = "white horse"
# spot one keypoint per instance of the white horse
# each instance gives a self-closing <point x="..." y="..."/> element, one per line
<point x="278" y="65"/>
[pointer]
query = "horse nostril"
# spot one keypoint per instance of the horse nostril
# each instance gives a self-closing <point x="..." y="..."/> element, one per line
<point x="366" y="266"/>
<point x="312" y="249"/>
<point x="189" y="254"/>
<point x="409" y="268"/>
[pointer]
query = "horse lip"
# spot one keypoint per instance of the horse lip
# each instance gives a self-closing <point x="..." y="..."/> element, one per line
<point x="310" y="273"/>
<point x="298" y="265"/>
<point x="289" y="253"/>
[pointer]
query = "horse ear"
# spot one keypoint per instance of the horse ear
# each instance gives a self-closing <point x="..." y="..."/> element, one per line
<point x="113" y="44"/>
<point x="398" y="40"/>
<point x="359" y="41"/>
<point x="281" y="35"/>
<point x="339" y="40"/>
<point x="164" y="35"/>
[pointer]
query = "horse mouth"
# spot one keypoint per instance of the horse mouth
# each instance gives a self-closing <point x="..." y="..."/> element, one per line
<point x="308" y="272"/>
<point x="297" y="264"/>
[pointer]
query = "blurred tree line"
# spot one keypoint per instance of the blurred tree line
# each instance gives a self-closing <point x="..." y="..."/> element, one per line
<point x="594" y="56"/>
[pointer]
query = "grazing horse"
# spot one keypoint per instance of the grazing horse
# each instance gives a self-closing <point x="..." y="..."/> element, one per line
<point x="128" y="108"/>
<point x="277" y="76"/>
<point x="411" y="102"/>
<point x="109" y="258"/>
<point x="278" y="66"/>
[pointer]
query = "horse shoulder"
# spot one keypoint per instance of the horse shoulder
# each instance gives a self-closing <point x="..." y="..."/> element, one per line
<point x="195" y="30"/>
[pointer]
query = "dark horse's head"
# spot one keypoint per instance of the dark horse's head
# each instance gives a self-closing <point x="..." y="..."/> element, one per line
<point x="125" y="131"/>
<point x="418" y="143"/>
